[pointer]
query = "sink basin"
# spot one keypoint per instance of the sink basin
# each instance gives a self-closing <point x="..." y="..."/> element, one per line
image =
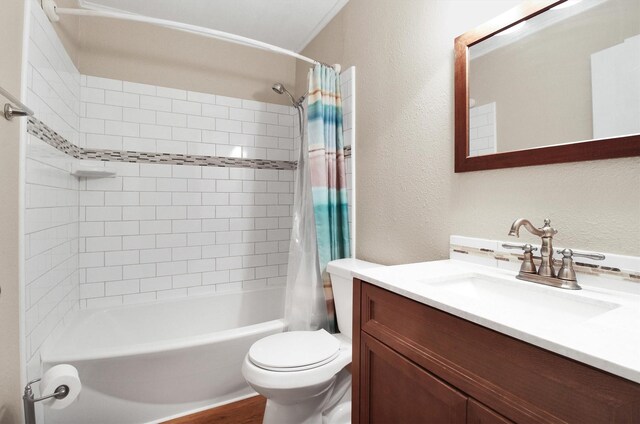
<point x="529" y="303"/>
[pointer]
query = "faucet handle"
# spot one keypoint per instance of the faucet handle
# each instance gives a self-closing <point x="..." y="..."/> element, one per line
<point x="527" y="267"/>
<point x="567" y="253"/>
<point x="566" y="271"/>
<point x="526" y="247"/>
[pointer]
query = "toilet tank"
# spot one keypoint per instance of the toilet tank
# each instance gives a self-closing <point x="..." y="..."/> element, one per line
<point x="342" y="283"/>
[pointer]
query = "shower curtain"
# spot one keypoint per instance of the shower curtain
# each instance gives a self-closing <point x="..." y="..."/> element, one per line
<point x="305" y="307"/>
<point x="328" y="175"/>
<point x="320" y="229"/>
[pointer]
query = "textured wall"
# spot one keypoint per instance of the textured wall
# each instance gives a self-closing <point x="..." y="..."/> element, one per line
<point x="11" y="30"/>
<point x="67" y="29"/>
<point x="409" y="199"/>
<point x="160" y="56"/>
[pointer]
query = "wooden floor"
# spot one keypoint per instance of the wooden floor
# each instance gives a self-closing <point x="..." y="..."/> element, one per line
<point x="247" y="411"/>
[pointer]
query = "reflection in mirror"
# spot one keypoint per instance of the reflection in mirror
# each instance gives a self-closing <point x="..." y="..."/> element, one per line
<point x="569" y="74"/>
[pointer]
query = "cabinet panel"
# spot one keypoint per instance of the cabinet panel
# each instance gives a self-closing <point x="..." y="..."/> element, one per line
<point x="401" y="392"/>
<point x="477" y="413"/>
<point x="520" y="381"/>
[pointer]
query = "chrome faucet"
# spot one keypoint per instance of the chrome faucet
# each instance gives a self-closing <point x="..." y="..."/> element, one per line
<point x="546" y="274"/>
<point x="546" y="250"/>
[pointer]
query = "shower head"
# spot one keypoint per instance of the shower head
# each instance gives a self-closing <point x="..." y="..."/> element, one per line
<point x="280" y="89"/>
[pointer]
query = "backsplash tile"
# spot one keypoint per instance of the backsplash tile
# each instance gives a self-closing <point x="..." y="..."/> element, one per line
<point x="491" y="253"/>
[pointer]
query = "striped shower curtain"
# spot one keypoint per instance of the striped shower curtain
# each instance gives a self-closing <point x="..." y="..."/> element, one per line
<point x="328" y="174"/>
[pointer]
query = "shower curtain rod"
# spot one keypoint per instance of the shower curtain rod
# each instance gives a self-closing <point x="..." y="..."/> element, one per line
<point x="53" y="11"/>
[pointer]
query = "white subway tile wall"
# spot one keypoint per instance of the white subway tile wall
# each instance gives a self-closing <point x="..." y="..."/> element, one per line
<point x="158" y="231"/>
<point x="122" y="115"/>
<point x="171" y="230"/>
<point x="53" y="81"/>
<point x="482" y="130"/>
<point x="51" y="276"/>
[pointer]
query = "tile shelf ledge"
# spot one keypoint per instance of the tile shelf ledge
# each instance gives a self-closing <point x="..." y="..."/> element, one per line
<point x="88" y="171"/>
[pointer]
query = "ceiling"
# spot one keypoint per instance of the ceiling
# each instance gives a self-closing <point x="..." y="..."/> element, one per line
<point x="290" y="24"/>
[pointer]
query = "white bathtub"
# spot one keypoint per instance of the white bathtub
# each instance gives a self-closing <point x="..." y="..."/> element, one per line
<point x="148" y="362"/>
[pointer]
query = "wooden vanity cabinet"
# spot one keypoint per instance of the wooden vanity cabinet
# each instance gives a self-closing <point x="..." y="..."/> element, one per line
<point x="416" y="364"/>
<point x="401" y="391"/>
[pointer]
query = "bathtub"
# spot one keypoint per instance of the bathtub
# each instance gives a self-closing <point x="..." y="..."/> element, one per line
<point x="149" y="362"/>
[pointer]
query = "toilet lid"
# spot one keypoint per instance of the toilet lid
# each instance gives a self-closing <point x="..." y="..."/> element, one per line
<point x="295" y="350"/>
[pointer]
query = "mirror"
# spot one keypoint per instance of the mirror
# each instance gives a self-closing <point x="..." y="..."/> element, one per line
<point x="549" y="82"/>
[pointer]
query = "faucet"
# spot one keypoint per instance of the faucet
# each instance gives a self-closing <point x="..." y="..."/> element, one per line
<point x="546" y="250"/>
<point x="545" y="274"/>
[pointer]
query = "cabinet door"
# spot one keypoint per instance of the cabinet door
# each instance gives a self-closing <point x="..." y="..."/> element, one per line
<point x="394" y="390"/>
<point x="477" y="413"/>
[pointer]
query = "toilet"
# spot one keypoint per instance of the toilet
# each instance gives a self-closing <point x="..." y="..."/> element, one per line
<point x="304" y="374"/>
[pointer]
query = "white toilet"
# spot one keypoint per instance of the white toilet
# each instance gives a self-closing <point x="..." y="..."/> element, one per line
<point x="303" y="374"/>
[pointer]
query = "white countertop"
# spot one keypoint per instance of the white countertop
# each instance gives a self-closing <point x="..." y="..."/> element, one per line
<point x="608" y="338"/>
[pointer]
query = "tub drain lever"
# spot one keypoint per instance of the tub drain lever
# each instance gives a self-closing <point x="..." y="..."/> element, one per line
<point x="28" y="400"/>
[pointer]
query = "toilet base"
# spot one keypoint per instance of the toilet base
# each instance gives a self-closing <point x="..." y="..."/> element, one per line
<point x="330" y="406"/>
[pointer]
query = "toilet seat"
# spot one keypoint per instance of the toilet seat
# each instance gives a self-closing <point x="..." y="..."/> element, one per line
<point x="263" y="379"/>
<point x="294" y="351"/>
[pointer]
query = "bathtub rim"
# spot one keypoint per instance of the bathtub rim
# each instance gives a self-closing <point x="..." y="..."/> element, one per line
<point x="48" y="354"/>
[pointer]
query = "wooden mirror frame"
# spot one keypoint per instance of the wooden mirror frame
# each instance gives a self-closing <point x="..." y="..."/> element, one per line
<point x="605" y="148"/>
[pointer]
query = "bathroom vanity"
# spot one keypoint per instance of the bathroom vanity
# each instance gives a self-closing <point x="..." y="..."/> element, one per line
<point x="450" y="342"/>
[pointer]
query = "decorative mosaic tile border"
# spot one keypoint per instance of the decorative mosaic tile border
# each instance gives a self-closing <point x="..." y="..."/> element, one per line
<point x="180" y="159"/>
<point x="39" y="129"/>
<point x="599" y="270"/>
